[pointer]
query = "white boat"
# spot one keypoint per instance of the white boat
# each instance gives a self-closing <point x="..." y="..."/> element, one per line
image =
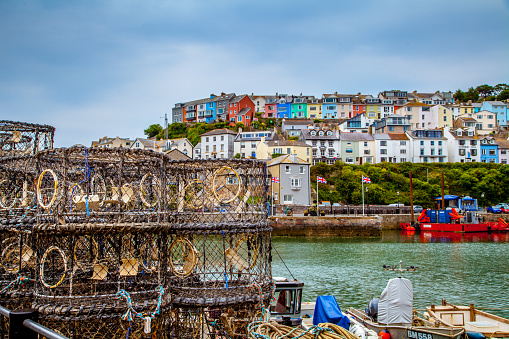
<point x="394" y="314"/>
<point x="471" y="319"/>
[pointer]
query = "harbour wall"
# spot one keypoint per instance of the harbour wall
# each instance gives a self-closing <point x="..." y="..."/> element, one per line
<point x="347" y="226"/>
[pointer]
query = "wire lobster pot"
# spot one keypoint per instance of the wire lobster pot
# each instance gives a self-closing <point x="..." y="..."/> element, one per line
<point x="22" y="138"/>
<point x="17" y="210"/>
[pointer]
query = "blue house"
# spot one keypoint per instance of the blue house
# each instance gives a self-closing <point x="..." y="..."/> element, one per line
<point x="284" y="107"/>
<point x="489" y="150"/>
<point x="210" y="112"/>
<point x="499" y="108"/>
<point x="330" y="106"/>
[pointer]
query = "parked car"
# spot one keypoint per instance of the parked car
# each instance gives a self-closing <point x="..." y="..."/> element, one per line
<point x="336" y="204"/>
<point x="417" y="209"/>
<point x="502" y="205"/>
<point x="493" y="209"/>
<point x="504" y="210"/>
<point x="396" y="205"/>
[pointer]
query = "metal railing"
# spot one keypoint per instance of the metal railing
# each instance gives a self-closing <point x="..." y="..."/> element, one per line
<point x="23" y="325"/>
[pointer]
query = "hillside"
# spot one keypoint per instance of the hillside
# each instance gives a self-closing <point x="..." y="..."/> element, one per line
<point x="473" y="179"/>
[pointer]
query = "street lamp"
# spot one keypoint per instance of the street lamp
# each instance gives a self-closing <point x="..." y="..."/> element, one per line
<point x="482" y="196"/>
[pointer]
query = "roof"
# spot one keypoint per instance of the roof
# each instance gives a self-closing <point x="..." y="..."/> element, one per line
<point x="242" y="136"/>
<point x="285" y="159"/>
<point x="394" y="116"/>
<point x="502" y="143"/>
<point x="307" y="134"/>
<point x="496" y="103"/>
<point x="466" y="118"/>
<point x="177" y="155"/>
<point x="398" y="136"/>
<point x="417" y="104"/>
<point x="219" y="131"/>
<point x="147" y="142"/>
<point x="177" y="141"/>
<point x="238" y="98"/>
<point x="381" y="136"/>
<point x="356" y="136"/>
<point x="243" y="111"/>
<point x="297" y="122"/>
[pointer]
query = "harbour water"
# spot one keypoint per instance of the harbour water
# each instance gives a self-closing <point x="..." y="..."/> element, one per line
<point x="461" y="268"/>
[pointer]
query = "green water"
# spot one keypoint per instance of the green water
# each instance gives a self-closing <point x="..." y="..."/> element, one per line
<point x="462" y="269"/>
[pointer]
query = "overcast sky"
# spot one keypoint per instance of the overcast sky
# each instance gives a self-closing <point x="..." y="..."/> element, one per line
<point x="95" y="68"/>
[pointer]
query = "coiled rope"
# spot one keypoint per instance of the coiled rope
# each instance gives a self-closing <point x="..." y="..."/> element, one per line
<point x="273" y="330"/>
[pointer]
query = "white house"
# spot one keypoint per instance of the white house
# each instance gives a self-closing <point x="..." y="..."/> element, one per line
<point x="246" y="143"/>
<point x="182" y="144"/>
<point x="217" y="144"/>
<point x="197" y="151"/>
<point x="293" y="126"/>
<point x="462" y="144"/>
<point x="427" y="146"/>
<point x="359" y="123"/>
<point x="147" y="144"/>
<point x="325" y="144"/>
<point x="392" y="147"/>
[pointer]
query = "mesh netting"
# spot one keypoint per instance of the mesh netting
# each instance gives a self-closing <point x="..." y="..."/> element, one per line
<point x="21" y="138"/>
<point x="128" y="234"/>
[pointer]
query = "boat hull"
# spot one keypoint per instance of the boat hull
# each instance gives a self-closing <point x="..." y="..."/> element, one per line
<point x="460" y="228"/>
<point x="471" y="319"/>
<point x="407" y="332"/>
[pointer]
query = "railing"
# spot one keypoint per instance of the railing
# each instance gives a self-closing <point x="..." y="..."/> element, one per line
<point x="23" y="325"/>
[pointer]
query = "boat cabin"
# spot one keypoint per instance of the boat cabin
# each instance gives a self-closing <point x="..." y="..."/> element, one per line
<point x="287" y="298"/>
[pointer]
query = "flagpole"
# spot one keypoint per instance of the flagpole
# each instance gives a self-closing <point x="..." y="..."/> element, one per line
<point x="362" y="185"/>
<point x="317" y="211"/>
<point x="272" y="186"/>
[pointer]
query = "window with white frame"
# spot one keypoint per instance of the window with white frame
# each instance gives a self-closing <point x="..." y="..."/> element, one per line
<point x="287" y="169"/>
<point x="301" y="170"/>
<point x="296" y="182"/>
<point x="288" y="199"/>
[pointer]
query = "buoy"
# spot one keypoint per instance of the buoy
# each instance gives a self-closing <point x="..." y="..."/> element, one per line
<point x="384" y="335"/>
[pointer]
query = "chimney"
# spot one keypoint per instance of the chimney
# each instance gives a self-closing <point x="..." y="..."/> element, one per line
<point x="262" y="140"/>
<point x="240" y="130"/>
<point x="294" y="157"/>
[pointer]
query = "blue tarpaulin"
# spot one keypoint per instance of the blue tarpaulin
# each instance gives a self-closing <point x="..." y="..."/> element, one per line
<point x="448" y="197"/>
<point x="327" y="311"/>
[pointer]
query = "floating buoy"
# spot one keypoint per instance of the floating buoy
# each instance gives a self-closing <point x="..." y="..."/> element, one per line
<point x="384" y="335"/>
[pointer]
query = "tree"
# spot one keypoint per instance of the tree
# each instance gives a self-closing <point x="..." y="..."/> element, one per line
<point x="484" y="90"/>
<point x="239" y="125"/>
<point x="497" y="89"/>
<point x="459" y="96"/>
<point x="153" y="130"/>
<point x="504" y="95"/>
<point x="472" y="94"/>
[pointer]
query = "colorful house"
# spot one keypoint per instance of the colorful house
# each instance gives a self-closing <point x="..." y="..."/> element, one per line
<point x="440" y="116"/>
<point x="489" y="150"/>
<point x="241" y="110"/>
<point x="284" y="106"/>
<point x="329" y="106"/>
<point x="358" y="107"/>
<point x="314" y="107"/>
<point x="270" y="107"/>
<point x="299" y="107"/>
<point x="499" y="108"/>
<point x="373" y="108"/>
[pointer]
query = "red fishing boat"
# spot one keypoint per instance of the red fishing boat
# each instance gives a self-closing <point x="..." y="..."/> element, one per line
<point x="452" y="221"/>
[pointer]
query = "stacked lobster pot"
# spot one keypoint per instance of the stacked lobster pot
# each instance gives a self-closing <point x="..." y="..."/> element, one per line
<point x="19" y="141"/>
<point x="219" y="254"/>
<point x="101" y="239"/>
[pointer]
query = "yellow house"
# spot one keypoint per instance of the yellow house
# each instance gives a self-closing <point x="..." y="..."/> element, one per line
<point x="373" y="108"/>
<point x="467" y="108"/>
<point x="266" y="149"/>
<point x="442" y="115"/>
<point x="314" y="109"/>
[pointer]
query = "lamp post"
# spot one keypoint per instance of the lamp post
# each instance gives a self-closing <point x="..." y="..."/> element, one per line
<point x="399" y="208"/>
<point x="482" y="197"/>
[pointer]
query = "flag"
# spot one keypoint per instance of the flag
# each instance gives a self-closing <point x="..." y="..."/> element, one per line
<point x="320" y="179"/>
<point x="275" y="179"/>
<point x="366" y="180"/>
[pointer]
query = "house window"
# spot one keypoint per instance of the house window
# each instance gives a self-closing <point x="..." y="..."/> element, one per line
<point x="322" y="143"/>
<point x="461" y="152"/>
<point x="365" y="144"/>
<point x="492" y="152"/>
<point x="383" y="159"/>
<point x="301" y="170"/>
<point x="383" y="143"/>
<point x="207" y="139"/>
<point x="242" y="145"/>
<point x="391" y="128"/>
<point x="307" y="151"/>
<point x="432" y="143"/>
<point x="503" y="151"/>
<point x="288" y="199"/>
<point x="288" y="151"/>
<point x="383" y="151"/>
<point x="222" y="147"/>
<point x="275" y="196"/>
<point x="207" y="148"/>
<point x="349" y="150"/>
<point x="402" y="143"/>
<point x="287" y="169"/>
<point x="331" y="143"/>
<point x="432" y="151"/>
<point x="474" y="152"/>
<point x="422" y="151"/>
<point x="314" y="143"/>
<point x="214" y="138"/>
<point x="331" y="153"/>
<point x="440" y="143"/>
<point x="253" y="144"/>
<point x="402" y="151"/>
<point x="296" y="182"/>
<point x="445" y="117"/>
<point x="314" y="152"/>
<point x="439" y="151"/>
<point x="222" y="137"/>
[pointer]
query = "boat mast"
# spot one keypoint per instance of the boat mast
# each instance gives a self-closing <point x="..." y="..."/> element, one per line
<point x="411" y="199"/>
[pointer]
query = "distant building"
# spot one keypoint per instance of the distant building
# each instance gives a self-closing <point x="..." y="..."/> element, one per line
<point x="266" y="148"/>
<point x="358" y="123"/>
<point x="394" y="123"/>
<point x="175" y="154"/>
<point x="427" y="146"/>
<point x="489" y="149"/>
<point x="463" y="145"/>
<point x="325" y="144"/>
<point x="357" y="148"/>
<point x="392" y="147"/>
<point x="116" y="142"/>
<point x="294" y="187"/>
<point x="246" y="143"/>
<point x="217" y="144"/>
<point x="147" y="144"/>
<point x="294" y="126"/>
<point x="182" y="144"/>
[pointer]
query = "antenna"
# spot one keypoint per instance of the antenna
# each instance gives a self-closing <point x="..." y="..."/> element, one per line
<point x="165" y="126"/>
<point x="400" y="269"/>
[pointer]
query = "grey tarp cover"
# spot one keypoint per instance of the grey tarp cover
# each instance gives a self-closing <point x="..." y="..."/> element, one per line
<point x="396" y="302"/>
